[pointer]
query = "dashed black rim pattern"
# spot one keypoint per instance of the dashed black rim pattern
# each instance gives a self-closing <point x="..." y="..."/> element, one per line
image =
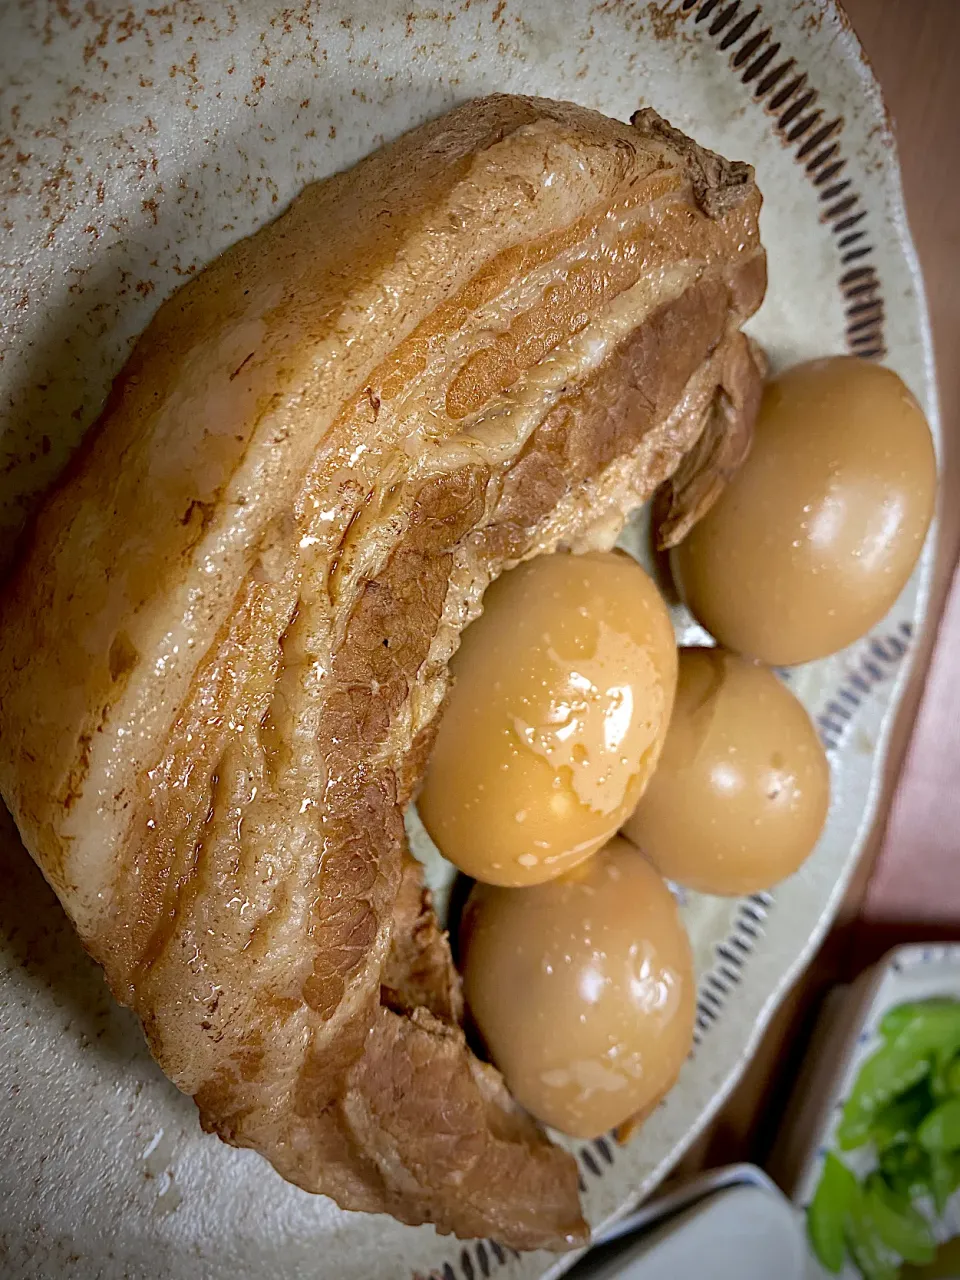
<point x="731" y="956"/>
<point x="878" y="663"/>
<point x="786" y="94"/>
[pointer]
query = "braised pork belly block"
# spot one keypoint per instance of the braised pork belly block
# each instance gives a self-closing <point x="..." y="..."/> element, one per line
<point x="224" y="650"/>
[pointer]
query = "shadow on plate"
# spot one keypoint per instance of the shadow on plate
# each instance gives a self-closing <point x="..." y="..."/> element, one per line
<point x="38" y="944"/>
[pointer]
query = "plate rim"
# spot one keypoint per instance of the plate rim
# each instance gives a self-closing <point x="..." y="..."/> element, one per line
<point x="890" y="180"/>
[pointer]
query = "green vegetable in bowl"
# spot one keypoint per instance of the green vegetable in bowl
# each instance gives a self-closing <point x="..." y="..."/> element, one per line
<point x="906" y="1168"/>
<point x="912" y="1038"/>
<point x="945" y="1076"/>
<point x="899" y="1225"/>
<point x="874" y="1257"/>
<point x="940" y="1130"/>
<point x="883" y="1077"/>
<point x="944" y="1177"/>
<point x="828" y="1211"/>
<point x="901" y="1015"/>
<point x="897" y="1122"/>
<point x="905" y="1108"/>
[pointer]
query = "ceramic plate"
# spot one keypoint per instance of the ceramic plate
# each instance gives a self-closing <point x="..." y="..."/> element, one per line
<point x="137" y="142"/>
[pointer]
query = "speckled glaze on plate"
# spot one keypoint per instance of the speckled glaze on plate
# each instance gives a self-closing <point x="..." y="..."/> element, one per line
<point x="137" y="142"/>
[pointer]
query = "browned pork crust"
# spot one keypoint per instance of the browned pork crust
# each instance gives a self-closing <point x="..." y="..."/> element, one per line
<point x="223" y="651"/>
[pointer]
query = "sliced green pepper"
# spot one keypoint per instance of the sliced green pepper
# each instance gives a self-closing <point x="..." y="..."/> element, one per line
<point x="940" y="1131"/>
<point x="899" y="1225"/>
<point x="828" y="1211"/>
<point x="901" y="1016"/>
<point x="876" y="1260"/>
<point x="897" y="1122"/>
<point x="900" y="1063"/>
<point x="944" y="1177"/>
<point x="906" y="1168"/>
<point x="945" y="1076"/>
<point x="906" y="1101"/>
<point x="883" y="1077"/>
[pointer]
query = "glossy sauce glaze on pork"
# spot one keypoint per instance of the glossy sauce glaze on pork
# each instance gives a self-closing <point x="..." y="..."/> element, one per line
<point x="223" y="653"/>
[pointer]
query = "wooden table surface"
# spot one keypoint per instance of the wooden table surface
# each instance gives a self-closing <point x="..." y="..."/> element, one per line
<point x="908" y="884"/>
<point x="915" y="884"/>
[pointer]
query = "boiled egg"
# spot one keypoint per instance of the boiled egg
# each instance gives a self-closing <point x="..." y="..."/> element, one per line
<point x="582" y="989"/>
<point x="743" y="785"/>
<point x="560" y="700"/>
<point x="815" y="537"/>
